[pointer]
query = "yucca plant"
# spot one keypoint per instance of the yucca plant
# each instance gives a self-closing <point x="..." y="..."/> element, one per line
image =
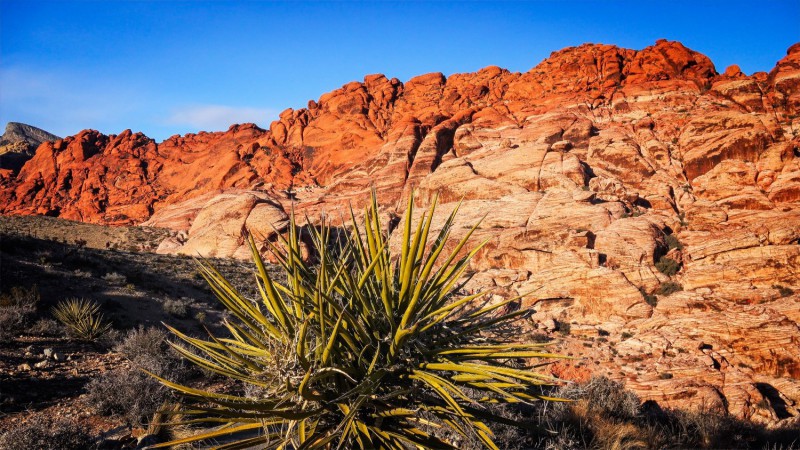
<point x="361" y="348"/>
<point x="82" y="318"/>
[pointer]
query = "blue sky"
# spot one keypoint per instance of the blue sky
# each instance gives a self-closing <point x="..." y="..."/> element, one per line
<point x="167" y="68"/>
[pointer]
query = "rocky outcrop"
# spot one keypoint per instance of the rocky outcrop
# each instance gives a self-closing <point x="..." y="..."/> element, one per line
<point x="18" y="144"/>
<point x="648" y="205"/>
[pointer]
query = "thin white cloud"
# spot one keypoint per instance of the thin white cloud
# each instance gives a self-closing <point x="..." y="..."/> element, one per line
<point x="219" y="117"/>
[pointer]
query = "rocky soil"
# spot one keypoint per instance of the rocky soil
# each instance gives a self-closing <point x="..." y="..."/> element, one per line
<point x="650" y="203"/>
<point x="45" y="374"/>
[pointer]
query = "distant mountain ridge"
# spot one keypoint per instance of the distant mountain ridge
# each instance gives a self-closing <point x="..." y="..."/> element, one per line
<point x="19" y="142"/>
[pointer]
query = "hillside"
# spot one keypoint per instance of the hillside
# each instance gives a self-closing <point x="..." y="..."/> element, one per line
<point x="19" y="142"/>
<point x="651" y="203"/>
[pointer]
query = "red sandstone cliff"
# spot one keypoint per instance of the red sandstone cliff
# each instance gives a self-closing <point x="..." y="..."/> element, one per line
<point x="588" y="166"/>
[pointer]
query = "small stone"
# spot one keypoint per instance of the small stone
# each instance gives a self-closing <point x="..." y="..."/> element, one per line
<point x="48" y="352"/>
<point x="58" y="356"/>
<point x="40" y="365"/>
<point x="24" y="367"/>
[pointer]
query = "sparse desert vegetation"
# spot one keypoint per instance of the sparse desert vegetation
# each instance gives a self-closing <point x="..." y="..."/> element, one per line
<point x="95" y="395"/>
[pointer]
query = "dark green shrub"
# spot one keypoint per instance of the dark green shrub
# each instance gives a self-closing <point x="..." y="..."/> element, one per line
<point x="651" y="299"/>
<point x="783" y="290"/>
<point x="668" y="266"/>
<point x="668" y="288"/>
<point x="672" y="242"/>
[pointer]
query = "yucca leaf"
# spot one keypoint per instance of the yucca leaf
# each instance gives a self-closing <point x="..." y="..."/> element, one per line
<point x="356" y="343"/>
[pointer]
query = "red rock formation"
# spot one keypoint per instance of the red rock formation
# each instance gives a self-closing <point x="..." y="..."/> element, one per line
<point x="583" y="166"/>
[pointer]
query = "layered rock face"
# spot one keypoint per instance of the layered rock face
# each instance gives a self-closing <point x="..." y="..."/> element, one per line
<point x="18" y="144"/>
<point x="610" y="179"/>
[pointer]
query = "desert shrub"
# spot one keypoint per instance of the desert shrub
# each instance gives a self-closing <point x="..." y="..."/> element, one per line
<point x="82" y="273"/>
<point x="705" y="428"/>
<point x="126" y="393"/>
<point x="362" y="348"/>
<point x="668" y="266"/>
<point x="148" y="349"/>
<point x="17" y="308"/>
<point x="668" y="288"/>
<point x="46" y="327"/>
<point x="783" y="290"/>
<point x="601" y="415"/>
<point x="651" y="299"/>
<point x="12" y="322"/>
<point x="115" y="278"/>
<point x="40" y="433"/>
<point x="21" y="297"/>
<point x="672" y="242"/>
<point x="82" y="318"/>
<point x="175" y="308"/>
<point x="604" y="396"/>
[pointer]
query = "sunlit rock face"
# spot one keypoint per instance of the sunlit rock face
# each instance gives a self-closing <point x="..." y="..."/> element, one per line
<point x="605" y="177"/>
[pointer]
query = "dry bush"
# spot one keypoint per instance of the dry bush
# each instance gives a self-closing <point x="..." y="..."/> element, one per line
<point x="47" y="327"/>
<point x="176" y="308"/>
<point x="127" y="393"/>
<point x="148" y="349"/>
<point x="40" y="433"/>
<point x="115" y="278"/>
<point x="131" y="393"/>
<point x="17" y="309"/>
<point x="604" y="415"/>
<point x="604" y="397"/>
